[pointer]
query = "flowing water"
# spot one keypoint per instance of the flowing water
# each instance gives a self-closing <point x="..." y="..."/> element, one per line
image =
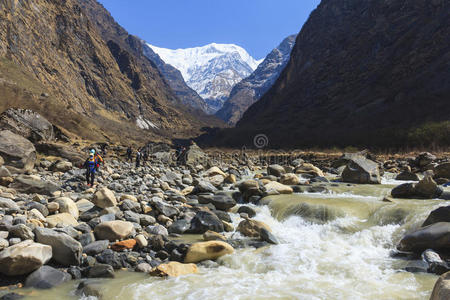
<point x="334" y="245"/>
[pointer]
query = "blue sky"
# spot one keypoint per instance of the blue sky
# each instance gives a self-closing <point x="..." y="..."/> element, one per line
<point x="256" y="25"/>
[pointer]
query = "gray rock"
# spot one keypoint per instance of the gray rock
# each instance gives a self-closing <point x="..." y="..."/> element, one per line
<point x="267" y="236"/>
<point x="24" y="257"/>
<point x="157" y="229"/>
<point x="18" y="153"/>
<point x="27" y="124"/>
<point x="441" y="214"/>
<point x="29" y="185"/>
<point x="361" y="170"/>
<point x="179" y="226"/>
<point x="275" y="170"/>
<point x="8" y="203"/>
<point x="146" y="220"/>
<point x="66" y="250"/>
<point x="144" y="268"/>
<point x="221" y="202"/>
<point x="435" y="262"/>
<point x="46" y="277"/>
<point x="96" y="247"/>
<point x="204" y="221"/>
<point x="131" y="216"/>
<point x="205" y="187"/>
<point x="166" y="209"/>
<point x="101" y="271"/>
<point x="21" y="231"/>
<point x="435" y="236"/>
<point x="408" y="176"/>
<point x="442" y="170"/>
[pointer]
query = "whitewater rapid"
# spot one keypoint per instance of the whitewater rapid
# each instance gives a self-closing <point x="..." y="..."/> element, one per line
<point x="344" y="253"/>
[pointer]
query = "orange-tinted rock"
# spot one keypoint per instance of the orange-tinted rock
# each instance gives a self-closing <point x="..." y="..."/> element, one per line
<point x="122" y="245"/>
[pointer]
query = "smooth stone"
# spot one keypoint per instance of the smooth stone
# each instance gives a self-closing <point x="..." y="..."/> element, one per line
<point x="24" y="257"/>
<point x="46" y="277"/>
<point x="174" y="269"/>
<point x="210" y="250"/>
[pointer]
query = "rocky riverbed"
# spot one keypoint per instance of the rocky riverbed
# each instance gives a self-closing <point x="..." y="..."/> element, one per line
<point x="171" y="218"/>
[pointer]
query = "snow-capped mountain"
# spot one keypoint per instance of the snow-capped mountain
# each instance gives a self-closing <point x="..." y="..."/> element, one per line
<point x="252" y="88"/>
<point x="212" y="70"/>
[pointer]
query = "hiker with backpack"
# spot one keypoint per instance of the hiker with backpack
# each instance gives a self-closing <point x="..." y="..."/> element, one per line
<point x="91" y="168"/>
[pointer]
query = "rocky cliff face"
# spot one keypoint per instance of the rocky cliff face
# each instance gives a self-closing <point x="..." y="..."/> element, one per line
<point x="70" y="61"/>
<point x="187" y="95"/>
<point x="362" y="73"/>
<point x="252" y="88"/>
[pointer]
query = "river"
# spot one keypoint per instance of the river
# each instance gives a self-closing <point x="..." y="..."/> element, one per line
<point x="333" y="245"/>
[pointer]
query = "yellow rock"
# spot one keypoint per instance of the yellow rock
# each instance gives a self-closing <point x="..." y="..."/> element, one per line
<point x="207" y="250"/>
<point x="280" y="188"/>
<point x="63" y="218"/>
<point x="174" y="269"/>
<point x="251" y="228"/>
<point x="309" y="169"/>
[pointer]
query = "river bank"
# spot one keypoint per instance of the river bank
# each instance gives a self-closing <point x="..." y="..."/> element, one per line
<point x="310" y="228"/>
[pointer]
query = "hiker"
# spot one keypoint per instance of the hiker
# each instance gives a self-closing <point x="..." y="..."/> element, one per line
<point x="103" y="149"/>
<point x="91" y="167"/>
<point x="98" y="158"/>
<point x="181" y="151"/>
<point x="145" y="156"/>
<point x="129" y="153"/>
<point x="138" y="158"/>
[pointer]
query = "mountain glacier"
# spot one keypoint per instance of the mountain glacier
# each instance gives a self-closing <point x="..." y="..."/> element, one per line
<point x="212" y="70"/>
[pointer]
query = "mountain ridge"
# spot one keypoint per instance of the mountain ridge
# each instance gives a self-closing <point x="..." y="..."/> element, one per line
<point x="79" y="68"/>
<point x="362" y="73"/>
<point x="253" y="87"/>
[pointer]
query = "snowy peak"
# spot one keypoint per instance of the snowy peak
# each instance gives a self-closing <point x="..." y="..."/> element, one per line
<point x="250" y="89"/>
<point x="212" y="70"/>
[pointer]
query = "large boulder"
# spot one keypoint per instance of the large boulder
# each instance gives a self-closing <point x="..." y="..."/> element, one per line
<point x="220" y="201"/>
<point x="204" y="221"/>
<point x="252" y="228"/>
<point x="275" y="170"/>
<point x="173" y="269"/>
<point x="46" y="277"/>
<point x="441" y="214"/>
<point x="441" y="290"/>
<point x="210" y="250"/>
<point x="361" y="170"/>
<point x="442" y="170"/>
<point x="113" y="230"/>
<point x="63" y="151"/>
<point x="66" y="250"/>
<point x="28" y="124"/>
<point x="309" y="169"/>
<point x="18" y="153"/>
<point x="435" y="236"/>
<point x="30" y="185"/>
<point x="24" y="257"/>
<point x="289" y="179"/>
<point x="104" y="198"/>
<point x="424" y="159"/>
<point x="426" y="188"/>
<point x="194" y="156"/>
